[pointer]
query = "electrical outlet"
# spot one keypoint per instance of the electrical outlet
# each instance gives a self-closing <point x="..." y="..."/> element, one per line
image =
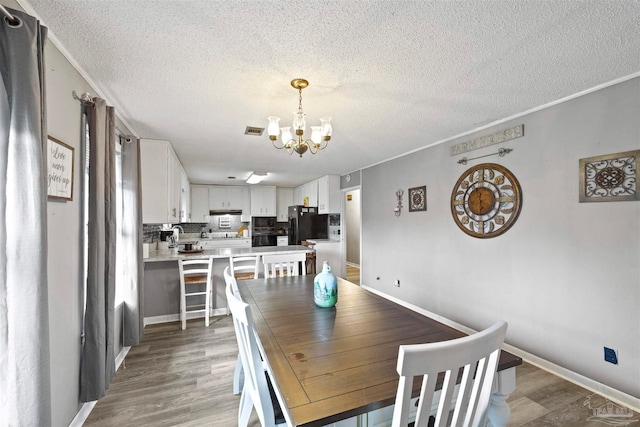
<point x="397" y="283"/>
<point x="610" y="355"/>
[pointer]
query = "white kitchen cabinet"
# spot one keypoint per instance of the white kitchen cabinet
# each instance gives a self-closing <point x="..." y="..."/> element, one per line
<point x="297" y="196"/>
<point x="246" y="205"/>
<point x="161" y="175"/>
<point x="225" y="198"/>
<point x="185" y="198"/>
<point x="175" y="187"/>
<point x="329" y="200"/>
<point x="309" y="191"/>
<point x="199" y="203"/>
<point x="263" y="200"/>
<point x="284" y="199"/>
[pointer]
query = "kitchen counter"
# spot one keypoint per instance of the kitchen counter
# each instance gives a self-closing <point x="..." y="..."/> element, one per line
<point x="174" y="255"/>
<point x="162" y="281"/>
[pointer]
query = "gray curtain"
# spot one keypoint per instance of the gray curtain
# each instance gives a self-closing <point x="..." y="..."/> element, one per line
<point x="25" y="391"/>
<point x="97" y="366"/>
<point x="132" y="241"/>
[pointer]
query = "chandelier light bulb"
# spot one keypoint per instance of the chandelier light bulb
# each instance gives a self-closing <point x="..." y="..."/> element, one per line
<point x="286" y="134"/>
<point x="273" y="129"/>
<point x="325" y="123"/>
<point x="298" y="121"/>
<point x="316" y="135"/>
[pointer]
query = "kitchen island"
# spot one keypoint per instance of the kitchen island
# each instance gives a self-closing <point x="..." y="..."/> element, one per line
<point x="162" y="281"/>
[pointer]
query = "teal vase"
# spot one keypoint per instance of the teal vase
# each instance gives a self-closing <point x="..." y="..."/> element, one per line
<point x="325" y="287"/>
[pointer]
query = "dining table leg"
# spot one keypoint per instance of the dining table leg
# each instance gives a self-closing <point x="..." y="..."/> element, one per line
<point x="498" y="413"/>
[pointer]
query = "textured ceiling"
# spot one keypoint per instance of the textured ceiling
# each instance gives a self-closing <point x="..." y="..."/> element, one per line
<point x="394" y="75"/>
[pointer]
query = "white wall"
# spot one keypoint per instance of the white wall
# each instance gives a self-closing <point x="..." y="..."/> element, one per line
<point x="566" y="276"/>
<point x="65" y="255"/>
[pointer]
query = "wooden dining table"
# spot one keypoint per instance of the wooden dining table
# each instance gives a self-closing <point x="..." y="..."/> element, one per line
<point x="339" y="363"/>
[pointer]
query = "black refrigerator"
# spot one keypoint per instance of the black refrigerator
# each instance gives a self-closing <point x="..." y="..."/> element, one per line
<point x="305" y="223"/>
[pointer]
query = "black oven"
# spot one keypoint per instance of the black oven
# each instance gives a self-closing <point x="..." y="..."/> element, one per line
<point x="263" y="231"/>
<point x="264" y="240"/>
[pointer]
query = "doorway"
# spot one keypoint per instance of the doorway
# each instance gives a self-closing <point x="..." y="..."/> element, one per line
<point x="352" y="232"/>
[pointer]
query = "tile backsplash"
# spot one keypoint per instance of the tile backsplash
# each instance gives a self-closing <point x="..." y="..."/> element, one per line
<point x="151" y="232"/>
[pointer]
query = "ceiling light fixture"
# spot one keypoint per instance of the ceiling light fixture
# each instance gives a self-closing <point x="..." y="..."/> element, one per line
<point x="256" y="177"/>
<point x="320" y="135"/>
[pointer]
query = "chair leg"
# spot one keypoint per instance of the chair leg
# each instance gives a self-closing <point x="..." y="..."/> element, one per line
<point x="244" y="412"/>
<point x="238" y="377"/>
<point x="183" y="314"/>
<point x="207" y="305"/>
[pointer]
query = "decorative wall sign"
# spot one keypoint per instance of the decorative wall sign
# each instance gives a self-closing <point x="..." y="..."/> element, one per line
<point x="484" y="141"/>
<point x="418" y="199"/>
<point x="59" y="170"/>
<point x="486" y="200"/>
<point x="610" y="178"/>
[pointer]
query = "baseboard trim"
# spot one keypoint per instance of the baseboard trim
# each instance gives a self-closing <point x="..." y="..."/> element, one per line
<point x="87" y="407"/>
<point x="605" y="391"/>
<point x="153" y="320"/>
<point x="610" y="393"/>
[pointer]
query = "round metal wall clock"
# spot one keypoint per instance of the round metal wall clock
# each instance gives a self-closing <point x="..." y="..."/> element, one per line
<point x="486" y="200"/>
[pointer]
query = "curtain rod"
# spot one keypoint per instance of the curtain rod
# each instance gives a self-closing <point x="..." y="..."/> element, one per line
<point x="85" y="98"/>
<point x="13" y="20"/>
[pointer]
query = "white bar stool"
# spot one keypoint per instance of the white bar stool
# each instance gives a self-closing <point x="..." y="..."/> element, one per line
<point x="195" y="272"/>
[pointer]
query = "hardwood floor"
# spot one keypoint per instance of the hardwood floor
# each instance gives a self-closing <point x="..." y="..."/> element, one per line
<point x="353" y="274"/>
<point x="184" y="378"/>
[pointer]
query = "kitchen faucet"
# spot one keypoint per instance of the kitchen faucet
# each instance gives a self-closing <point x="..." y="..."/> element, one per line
<point x="176" y="233"/>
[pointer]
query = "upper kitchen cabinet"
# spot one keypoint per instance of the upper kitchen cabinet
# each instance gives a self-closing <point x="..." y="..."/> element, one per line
<point x="199" y="203"/>
<point x="161" y="175"/>
<point x="225" y="198"/>
<point x="185" y="195"/>
<point x="246" y="205"/>
<point x="297" y="196"/>
<point x="284" y="199"/>
<point x="329" y="200"/>
<point x="263" y="200"/>
<point x="308" y="192"/>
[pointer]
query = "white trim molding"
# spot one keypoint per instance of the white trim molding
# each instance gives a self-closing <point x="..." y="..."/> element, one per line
<point x="153" y="320"/>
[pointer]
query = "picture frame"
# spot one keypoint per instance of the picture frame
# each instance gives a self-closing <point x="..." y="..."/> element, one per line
<point x="60" y="163"/>
<point x="418" y="199"/>
<point x="610" y="178"/>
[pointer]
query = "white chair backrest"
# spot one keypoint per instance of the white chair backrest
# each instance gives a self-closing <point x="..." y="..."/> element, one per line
<point x="245" y="266"/>
<point x="255" y="390"/>
<point x="284" y="264"/>
<point x="238" y="373"/>
<point x="231" y="281"/>
<point x="195" y="270"/>
<point x="477" y="355"/>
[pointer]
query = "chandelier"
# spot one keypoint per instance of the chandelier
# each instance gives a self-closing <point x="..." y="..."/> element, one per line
<point x="320" y="135"/>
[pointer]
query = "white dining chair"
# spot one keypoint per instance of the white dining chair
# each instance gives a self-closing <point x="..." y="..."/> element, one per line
<point x="475" y="356"/>
<point x="276" y="265"/>
<point x="259" y="390"/>
<point x="198" y="274"/>
<point x="238" y="374"/>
